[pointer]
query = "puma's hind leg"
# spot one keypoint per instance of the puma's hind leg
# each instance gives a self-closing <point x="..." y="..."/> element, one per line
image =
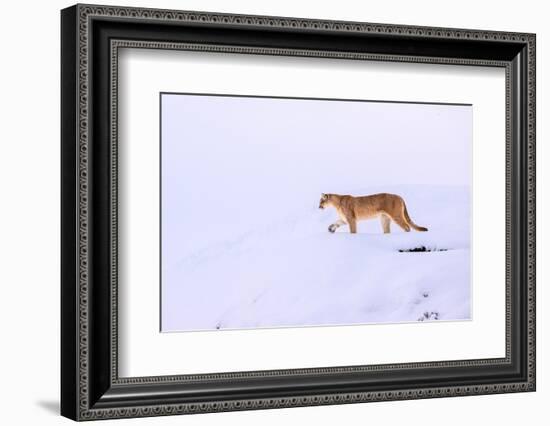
<point x="400" y="220"/>
<point x="385" y="220"/>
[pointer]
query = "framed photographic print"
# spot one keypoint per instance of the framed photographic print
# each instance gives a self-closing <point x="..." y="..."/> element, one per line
<point x="263" y="212"/>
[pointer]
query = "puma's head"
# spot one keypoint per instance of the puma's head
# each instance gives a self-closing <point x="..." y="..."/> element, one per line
<point x="325" y="200"/>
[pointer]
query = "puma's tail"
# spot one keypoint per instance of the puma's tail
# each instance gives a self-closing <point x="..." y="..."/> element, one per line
<point x="410" y="222"/>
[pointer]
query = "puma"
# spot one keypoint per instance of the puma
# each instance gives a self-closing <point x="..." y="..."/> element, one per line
<point x="350" y="209"/>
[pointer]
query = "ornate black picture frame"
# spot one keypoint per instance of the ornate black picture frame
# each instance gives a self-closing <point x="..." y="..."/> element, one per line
<point x="90" y="385"/>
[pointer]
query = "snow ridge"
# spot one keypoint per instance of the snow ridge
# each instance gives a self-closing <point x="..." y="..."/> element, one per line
<point x="293" y="272"/>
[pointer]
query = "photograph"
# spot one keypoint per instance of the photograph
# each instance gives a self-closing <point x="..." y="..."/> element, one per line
<point x="263" y="209"/>
<point x="299" y="212"/>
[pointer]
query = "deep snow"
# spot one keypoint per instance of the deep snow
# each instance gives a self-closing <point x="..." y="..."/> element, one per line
<point x="293" y="272"/>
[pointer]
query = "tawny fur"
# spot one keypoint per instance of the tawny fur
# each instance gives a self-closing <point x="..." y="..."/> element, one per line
<point x="350" y="209"/>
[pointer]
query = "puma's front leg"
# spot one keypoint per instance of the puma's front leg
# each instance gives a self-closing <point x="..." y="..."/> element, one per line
<point x="385" y="223"/>
<point x="352" y="226"/>
<point x="332" y="228"/>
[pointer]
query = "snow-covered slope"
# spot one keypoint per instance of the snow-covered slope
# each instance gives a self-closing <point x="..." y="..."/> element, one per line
<point x="293" y="272"/>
